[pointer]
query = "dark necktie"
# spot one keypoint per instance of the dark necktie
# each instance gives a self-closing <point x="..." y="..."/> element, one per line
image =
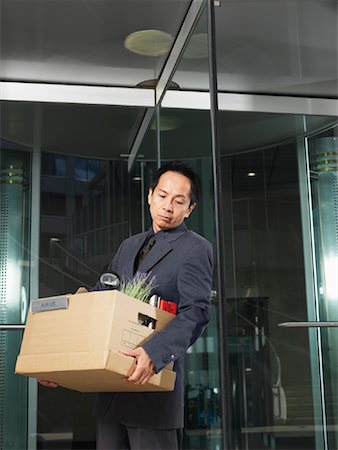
<point x="144" y="251"/>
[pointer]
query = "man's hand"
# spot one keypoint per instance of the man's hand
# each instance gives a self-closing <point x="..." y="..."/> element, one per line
<point x="50" y="384"/>
<point x="81" y="290"/>
<point x="144" y="367"/>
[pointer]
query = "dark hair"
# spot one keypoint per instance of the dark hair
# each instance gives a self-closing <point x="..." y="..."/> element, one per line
<point x="182" y="168"/>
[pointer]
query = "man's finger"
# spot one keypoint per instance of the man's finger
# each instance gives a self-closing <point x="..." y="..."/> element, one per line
<point x="50" y="384"/>
<point x="144" y="368"/>
<point x="140" y="376"/>
<point x="81" y="290"/>
<point x="129" y="352"/>
<point x="147" y="378"/>
<point x="136" y="376"/>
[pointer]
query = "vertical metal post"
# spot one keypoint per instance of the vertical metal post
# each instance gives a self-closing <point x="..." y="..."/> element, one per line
<point x="315" y="347"/>
<point x="224" y="360"/>
<point x="34" y="272"/>
<point x="142" y="181"/>
<point x="158" y="135"/>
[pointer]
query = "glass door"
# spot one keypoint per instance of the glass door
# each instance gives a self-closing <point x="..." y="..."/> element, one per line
<point x="278" y="396"/>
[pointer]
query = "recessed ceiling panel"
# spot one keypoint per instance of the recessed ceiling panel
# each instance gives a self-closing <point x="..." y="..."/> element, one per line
<point x="283" y="47"/>
<point x="73" y="41"/>
<point x="278" y="47"/>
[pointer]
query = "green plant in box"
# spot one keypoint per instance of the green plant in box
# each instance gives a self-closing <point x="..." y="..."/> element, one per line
<point x="140" y="287"/>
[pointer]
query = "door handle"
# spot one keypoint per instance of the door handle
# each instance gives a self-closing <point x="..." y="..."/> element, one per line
<point x="7" y="326"/>
<point x="309" y="324"/>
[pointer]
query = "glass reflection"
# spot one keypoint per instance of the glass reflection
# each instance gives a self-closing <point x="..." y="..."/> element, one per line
<point x="272" y="387"/>
<point x="186" y="135"/>
<point x="84" y="217"/>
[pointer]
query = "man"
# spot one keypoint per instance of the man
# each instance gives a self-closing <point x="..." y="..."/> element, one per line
<point x="181" y="262"/>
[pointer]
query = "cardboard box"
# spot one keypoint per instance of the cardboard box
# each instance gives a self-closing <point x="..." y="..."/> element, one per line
<point x="78" y="346"/>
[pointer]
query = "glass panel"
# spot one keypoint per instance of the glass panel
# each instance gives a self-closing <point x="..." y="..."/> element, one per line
<point x="192" y="72"/>
<point x="140" y="180"/>
<point x="83" y="219"/>
<point x="88" y="131"/>
<point x="13" y="394"/>
<point x="14" y="288"/>
<point x="323" y="149"/>
<point x="85" y="214"/>
<point x="87" y="42"/>
<point x="186" y="135"/>
<point x="274" y="372"/>
<point x="78" y="236"/>
<point x="245" y="131"/>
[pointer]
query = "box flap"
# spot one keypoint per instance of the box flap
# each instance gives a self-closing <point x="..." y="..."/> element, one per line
<point x="70" y="372"/>
<point x="30" y="364"/>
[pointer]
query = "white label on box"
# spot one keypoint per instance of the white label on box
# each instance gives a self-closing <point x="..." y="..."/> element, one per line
<point x="49" y="304"/>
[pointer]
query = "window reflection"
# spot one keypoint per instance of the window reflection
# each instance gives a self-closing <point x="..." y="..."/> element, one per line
<point x="270" y="370"/>
<point x="54" y="165"/>
<point x="84" y="217"/>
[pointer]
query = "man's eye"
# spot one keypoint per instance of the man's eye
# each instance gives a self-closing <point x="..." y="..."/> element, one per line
<point x="179" y="203"/>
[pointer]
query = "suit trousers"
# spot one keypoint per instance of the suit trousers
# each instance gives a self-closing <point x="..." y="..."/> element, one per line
<point x="113" y="435"/>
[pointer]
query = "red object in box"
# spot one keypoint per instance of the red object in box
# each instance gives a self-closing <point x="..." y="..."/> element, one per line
<point x="168" y="306"/>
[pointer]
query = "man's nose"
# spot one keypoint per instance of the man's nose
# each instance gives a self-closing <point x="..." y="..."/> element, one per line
<point x="168" y="206"/>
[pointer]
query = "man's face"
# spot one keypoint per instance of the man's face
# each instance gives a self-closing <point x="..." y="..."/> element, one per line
<point x="170" y="201"/>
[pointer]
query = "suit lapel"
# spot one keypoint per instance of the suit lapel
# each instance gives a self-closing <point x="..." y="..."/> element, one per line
<point x="162" y="247"/>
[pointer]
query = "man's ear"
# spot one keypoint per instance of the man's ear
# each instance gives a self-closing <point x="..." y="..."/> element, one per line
<point x="191" y="208"/>
<point x="150" y="193"/>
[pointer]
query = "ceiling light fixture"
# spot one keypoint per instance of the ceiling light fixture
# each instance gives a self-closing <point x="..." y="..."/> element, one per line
<point x="151" y="84"/>
<point x="149" y="42"/>
<point x="167" y="123"/>
<point x="251" y="174"/>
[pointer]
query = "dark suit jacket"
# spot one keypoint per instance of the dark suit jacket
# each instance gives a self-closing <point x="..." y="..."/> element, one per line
<point x="181" y="261"/>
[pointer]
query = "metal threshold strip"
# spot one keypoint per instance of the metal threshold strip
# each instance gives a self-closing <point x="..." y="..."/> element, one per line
<point x="310" y="324"/>
<point x="8" y="326"/>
